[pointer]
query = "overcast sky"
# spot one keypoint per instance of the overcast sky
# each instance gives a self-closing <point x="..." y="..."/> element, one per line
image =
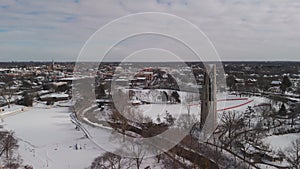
<point x="42" y="30"/>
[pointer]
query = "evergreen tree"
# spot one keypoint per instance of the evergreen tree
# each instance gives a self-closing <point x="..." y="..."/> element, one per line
<point x="263" y="84"/>
<point x="27" y="99"/>
<point x="165" y="96"/>
<point x="100" y="91"/>
<point x="176" y="96"/>
<point x="230" y="80"/>
<point x="169" y="118"/>
<point x="282" y="111"/>
<point x="285" y="84"/>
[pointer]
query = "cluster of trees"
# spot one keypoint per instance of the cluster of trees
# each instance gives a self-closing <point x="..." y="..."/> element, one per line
<point x="174" y="97"/>
<point x="111" y="160"/>
<point x="6" y="92"/>
<point x="242" y="133"/>
<point x="8" y="146"/>
<point x="27" y="99"/>
<point x="262" y="83"/>
<point x="166" y="160"/>
<point x="292" y="154"/>
<point x="100" y="91"/>
<point x="285" y="84"/>
<point x="236" y="134"/>
<point x="125" y="117"/>
<point x="230" y="81"/>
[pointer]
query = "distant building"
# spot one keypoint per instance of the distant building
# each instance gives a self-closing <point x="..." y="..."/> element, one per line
<point x="295" y="82"/>
<point x="240" y="81"/>
<point x="2" y="84"/>
<point x="121" y="82"/>
<point x="54" y="97"/>
<point x="276" y="83"/>
<point x="148" y="75"/>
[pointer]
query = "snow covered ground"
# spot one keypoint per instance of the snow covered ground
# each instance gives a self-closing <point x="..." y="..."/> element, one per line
<point x="14" y="109"/>
<point x="281" y="142"/>
<point x="225" y="101"/>
<point x="48" y="139"/>
<point x="159" y="110"/>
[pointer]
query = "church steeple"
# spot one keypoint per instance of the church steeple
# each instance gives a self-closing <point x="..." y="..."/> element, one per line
<point x="52" y="65"/>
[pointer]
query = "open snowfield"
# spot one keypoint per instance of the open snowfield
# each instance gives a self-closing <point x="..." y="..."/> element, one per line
<point x="281" y="142"/>
<point x="48" y="139"/>
<point x="225" y="103"/>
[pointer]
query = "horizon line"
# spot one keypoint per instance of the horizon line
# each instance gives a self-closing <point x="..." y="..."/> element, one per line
<point x="142" y="61"/>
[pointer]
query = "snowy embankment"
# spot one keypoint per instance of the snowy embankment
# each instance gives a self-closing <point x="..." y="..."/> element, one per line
<point x="13" y="110"/>
<point x="48" y="139"/>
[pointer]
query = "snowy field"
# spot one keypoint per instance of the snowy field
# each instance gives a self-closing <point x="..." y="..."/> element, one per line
<point x="225" y="103"/>
<point x="48" y="139"/>
<point x="281" y="142"/>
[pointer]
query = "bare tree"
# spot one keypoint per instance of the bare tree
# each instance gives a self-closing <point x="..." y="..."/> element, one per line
<point x="230" y="80"/>
<point x="170" y="120"/>
<point x="285" y="84"/>
<point x="185" y="121"/>
<point x="111" y="161"/>
<point x="117" y="118"/>
<point x="107" y="160"/>
<point x="293" y="154"/>
<point x="6" y="93"/>
<point x="126" y="114"/>
<point x="139" y="154"/>
<point x="189" y="99"/>
<point x="12" y="161"/>
<point x="8" y="145"/>
<point x="231" y="122"/>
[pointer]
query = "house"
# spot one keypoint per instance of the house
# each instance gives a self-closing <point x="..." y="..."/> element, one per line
<point x="148" y="75"/>
<point x="2" y="84"/>
<point x="295" y="82"/>
<point x="275" y="89"/>
<point x="141" y="81"/>
<point x="136" y="102"/>
<point x="121" y="82"/>
<point x="275" y="83"/>
<point x="4" y="71"/>
<point x="54" y="97"/>
<point x="251" y="81"/>
<point x="61" y="86"/>
<point x="240" y="81"/>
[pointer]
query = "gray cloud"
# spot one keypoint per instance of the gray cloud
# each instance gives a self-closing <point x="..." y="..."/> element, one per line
<point x="240" y="29"/>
